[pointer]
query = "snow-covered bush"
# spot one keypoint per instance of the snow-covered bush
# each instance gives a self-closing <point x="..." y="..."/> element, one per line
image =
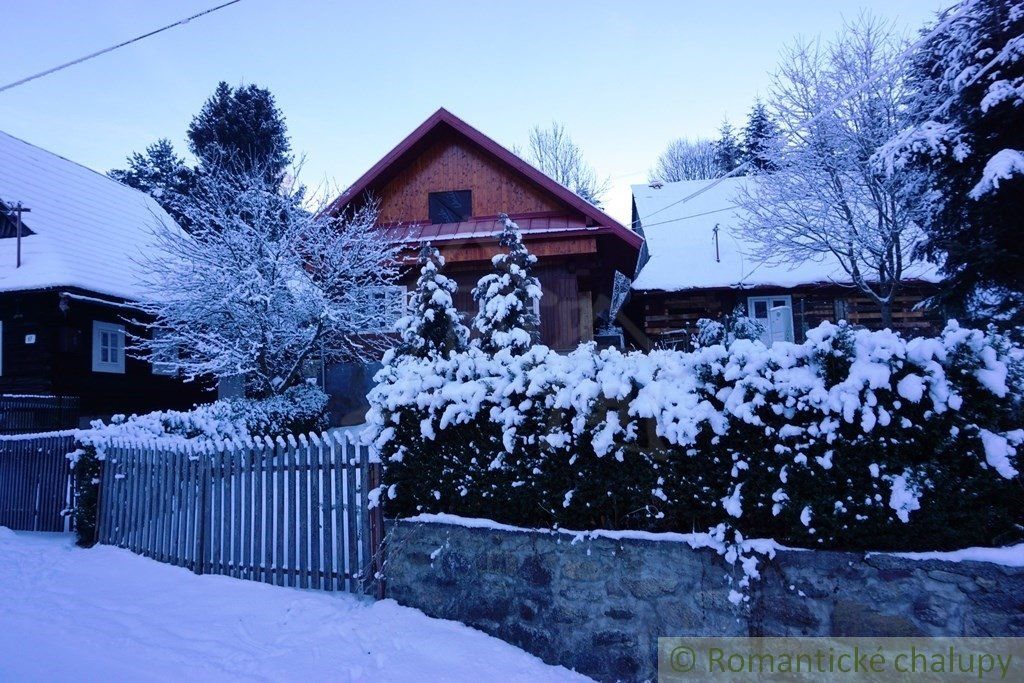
<point x="735" y="325"/>
<point x="434" y="325"/>
<point x="507" y="297"/>
<point x="853" y="439"/>
<point x="299" y="410"/>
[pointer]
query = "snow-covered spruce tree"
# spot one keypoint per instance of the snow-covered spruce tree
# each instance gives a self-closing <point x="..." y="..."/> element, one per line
<point x="728" y="152"/>
<point x="760" y="138"/>
<point x="826" y="200"/>
<point x="506" y="318"/>
<point x="241" y="130"/>
<point x="434" y="327"/>
<point x="965" y="145"/>
<point x="261" y="285"/>
<point x="162" y="174"/>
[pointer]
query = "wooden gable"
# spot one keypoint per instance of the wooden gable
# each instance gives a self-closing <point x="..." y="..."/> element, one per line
<point x="452" y="163"/>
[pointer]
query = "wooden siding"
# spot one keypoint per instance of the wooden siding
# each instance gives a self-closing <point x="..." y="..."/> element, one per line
<point x="60" y="360"/>
<point x="674" y="315"/>
<point x="539" y="247"/>
<point x="453" y="163"/>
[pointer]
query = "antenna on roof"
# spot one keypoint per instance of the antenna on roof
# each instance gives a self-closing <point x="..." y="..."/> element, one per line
<point x="16" y="211"/>
<point x="718" y="258"/>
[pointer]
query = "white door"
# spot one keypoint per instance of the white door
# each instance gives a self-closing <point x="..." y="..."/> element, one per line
<point x="775" y="313"/>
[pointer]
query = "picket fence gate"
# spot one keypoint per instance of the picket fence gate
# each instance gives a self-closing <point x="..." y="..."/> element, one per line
<point x="287" y="511"/>
<point x="36" y="482"/>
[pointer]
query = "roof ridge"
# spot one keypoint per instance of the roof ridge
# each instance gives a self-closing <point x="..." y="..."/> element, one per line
<point x="80" y="165"/>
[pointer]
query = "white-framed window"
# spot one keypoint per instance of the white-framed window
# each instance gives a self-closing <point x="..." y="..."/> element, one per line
<point x="388" y="305"/>
<point x="775" y="313"/>
<point x="107" y="347"/>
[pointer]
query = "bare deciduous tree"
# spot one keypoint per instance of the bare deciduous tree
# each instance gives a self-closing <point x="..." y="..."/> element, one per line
<point x="260" y="285"/>
<point x="553" y="151"/>
<point x="687" y="160"/>
<point x="826" y="200"/>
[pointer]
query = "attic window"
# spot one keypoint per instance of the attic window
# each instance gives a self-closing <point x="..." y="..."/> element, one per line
<point x="450" y="207"/>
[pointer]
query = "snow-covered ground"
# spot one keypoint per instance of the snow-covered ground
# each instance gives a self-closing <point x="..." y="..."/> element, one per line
<point x="106" y="614"/>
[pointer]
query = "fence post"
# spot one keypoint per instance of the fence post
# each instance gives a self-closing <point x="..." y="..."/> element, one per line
<point x="376" y="514"/>
<point x="201" y="518"/>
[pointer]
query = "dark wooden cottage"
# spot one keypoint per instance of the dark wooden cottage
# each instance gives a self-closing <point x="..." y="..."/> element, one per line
<point x="446" y="183"/>
<point x="696" y="264"/>
<point x="67" y="289"/>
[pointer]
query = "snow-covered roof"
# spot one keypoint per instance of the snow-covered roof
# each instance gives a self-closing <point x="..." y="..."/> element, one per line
<point x="681" y="243"/>
<point x="88" y="231"/>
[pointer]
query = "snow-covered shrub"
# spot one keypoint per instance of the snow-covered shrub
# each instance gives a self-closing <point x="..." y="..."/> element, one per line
<point x="733" y="326"/>
<point x="853" y="439"/>
<point x="298" y="410"/>
<point x="435" y="325"/>
<point x="507" y="297"/>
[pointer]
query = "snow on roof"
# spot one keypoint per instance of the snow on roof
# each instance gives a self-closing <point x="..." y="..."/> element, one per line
<point x="90" y="231"/>
<point x="681" y="243"/>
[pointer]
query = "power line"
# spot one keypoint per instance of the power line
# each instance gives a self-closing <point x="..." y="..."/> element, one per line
<point x="941" y="26"/>
<point x="113" y="47"/>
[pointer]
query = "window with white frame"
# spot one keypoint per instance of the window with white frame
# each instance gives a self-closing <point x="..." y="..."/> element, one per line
<point x="775" y="313"/>
<point x="107" y="347"/>
<point x="389" y="305"/>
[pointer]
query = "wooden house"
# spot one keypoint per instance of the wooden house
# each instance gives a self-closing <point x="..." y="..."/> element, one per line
<point x="68" y="283"/>
<point x="446" y="183"/>
<point x="697" y="264"/>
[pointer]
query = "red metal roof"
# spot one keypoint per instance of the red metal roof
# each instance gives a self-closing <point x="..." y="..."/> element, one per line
<point x="596" y="219"/>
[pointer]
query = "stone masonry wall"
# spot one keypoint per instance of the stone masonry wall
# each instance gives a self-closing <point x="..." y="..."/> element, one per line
<point x="598" y="605"/>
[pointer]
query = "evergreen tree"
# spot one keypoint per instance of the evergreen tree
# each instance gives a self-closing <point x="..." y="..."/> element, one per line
<point x="728" y="153"/>
<point x="507" y="297"/>
<point x="760" y="135"/>
<point x="435" y="325"/>
<point x="967" y="153"/>
<point x="162" y="174"/>
<point x="242" y="130"/>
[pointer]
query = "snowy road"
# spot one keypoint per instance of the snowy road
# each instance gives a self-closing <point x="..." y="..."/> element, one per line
<point x="106" y="614"/>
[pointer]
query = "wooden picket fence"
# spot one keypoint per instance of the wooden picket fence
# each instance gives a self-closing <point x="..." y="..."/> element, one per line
<point x="35" y="481"/>
<point x="288" y="511"/>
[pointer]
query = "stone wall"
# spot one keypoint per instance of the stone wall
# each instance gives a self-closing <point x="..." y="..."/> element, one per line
<point x="598" y="605"/>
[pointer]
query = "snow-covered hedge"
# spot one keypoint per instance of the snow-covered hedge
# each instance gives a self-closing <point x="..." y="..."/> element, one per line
<point x="299" y="410"/>
<point x="853" y="439"/>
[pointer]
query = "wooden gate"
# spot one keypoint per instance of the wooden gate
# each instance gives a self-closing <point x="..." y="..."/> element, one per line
<point x="291" y="512"/>
<point x="35" y="481"/>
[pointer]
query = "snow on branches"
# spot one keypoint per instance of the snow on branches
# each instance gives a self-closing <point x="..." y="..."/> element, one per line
<point x="434" y="325"/>
<point x="509" y="297"/>
<point x="824" y="198"/>
<point x="260" y="286"/>
<point x="853" y="439"/>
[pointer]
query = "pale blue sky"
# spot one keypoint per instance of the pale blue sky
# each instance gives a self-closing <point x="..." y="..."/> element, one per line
<point x="354" y="78"/>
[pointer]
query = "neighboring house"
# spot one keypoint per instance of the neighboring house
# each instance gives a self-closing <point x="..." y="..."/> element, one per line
<point x="65" y="309"/>
<point x="695" y="264"/>
<point x="446" y="183"/>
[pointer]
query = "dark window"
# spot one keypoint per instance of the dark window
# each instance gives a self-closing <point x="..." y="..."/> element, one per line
<point x="450" y="207"/>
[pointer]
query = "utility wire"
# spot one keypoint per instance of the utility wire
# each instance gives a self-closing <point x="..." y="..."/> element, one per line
<point x="113" y="47"/>
<point x="941" y="26"/>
